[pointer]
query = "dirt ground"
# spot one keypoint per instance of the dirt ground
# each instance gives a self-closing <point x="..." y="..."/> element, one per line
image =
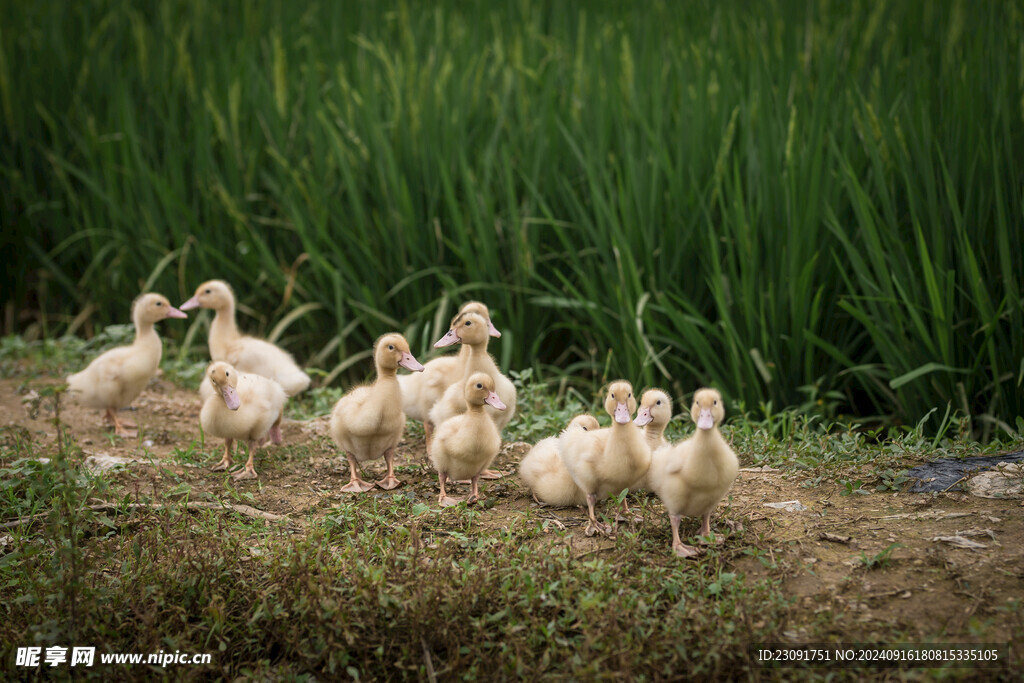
<point x="927" y="589"/>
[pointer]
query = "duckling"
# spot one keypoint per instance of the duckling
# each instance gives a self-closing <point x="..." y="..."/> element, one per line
<point x="114" y="378"/>
<point x="543" y="471"/>
<point x="694" y="475"/>
<point x="247" y="354"/>
<point x="421" y="391"/>
<point x="367" y="422"/>
<point x="465" y="444"/>
<point x="470" y="329"/>
<point x="608" y="460"/>
<point x="653" y="416"/>
<point x="245" y="407"/>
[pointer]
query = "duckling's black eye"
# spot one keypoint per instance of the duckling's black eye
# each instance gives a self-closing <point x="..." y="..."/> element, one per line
<point x="159" y="303"/>
<point x="468" y="323"/>
<point x="391" y="347"/>
<point x="714" y="403"/>
<point x="658" y="403"/>
<point x="227" y="374"/>
<point x="208" y="291"/>
<point x="479" y="386"/>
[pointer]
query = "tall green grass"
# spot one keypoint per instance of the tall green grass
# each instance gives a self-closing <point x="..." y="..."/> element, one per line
<point x="784" y="200"/>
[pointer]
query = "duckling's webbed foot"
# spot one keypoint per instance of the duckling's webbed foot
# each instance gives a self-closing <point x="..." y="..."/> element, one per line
<point x="595" y="526"/>
<point x="683" y="550"/>
<point x="225" y="461"/>
<point x="245" y="473"/>
<point x="355" y="484"/>
<point x="492" y="474"/>
<point x="443" y="499"/>
<point x="390" y="481"/>
<point x="706" y="537"/>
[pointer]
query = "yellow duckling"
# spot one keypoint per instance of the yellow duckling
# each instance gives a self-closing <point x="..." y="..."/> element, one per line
<point x="608" y="460"/>
<point x="694" y="475"/>
<point x="420" y="391"/>
<point x="470" y="329"/>
<point x="653" y="417"/>
<point x="466" y="444"/>
<point x="114" y="378"/>
<point x="367" y="422"/>
<point x="247" y="354"/>
<point x="244" y="407"/>
<point x="543" y="471"/>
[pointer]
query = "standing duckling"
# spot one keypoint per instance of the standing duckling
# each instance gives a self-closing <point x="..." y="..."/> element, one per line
<point x="472" y="330"/>
<point x="421" y="391"/>
<point x="653" y="417"/>
<point x="244" y="407"/>
<point x="694" y="475"/>
<point x="466" y="444"/>
<point x="247" y="354"/>
<point x="367" y="422"/>
<point x="608" y="460"/>
<point x="114" y="378"/>
<point x="543" y="471"/>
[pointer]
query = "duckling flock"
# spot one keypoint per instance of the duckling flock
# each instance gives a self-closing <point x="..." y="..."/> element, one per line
<point x="463" y="401"/>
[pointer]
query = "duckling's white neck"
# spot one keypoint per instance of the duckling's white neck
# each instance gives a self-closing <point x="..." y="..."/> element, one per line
<point x="478" y="361"/>
<point x="147" y="338"/>
<point x="653" y="433"/>
<point x="223" y="331"/>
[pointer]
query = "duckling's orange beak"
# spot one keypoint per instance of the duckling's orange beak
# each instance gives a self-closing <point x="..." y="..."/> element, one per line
<point x="643" y="417"/>
<point x="410" y="363"/>
<point x="230" y="397"/>
<point x="190" y="304"/>
<point x="173" y="312"/>
<point x="492" y="329"/>
<point x="451" y="337"/>
<point x="621" y="413"/>
<point x="705" y="420"/>
<point x="493" y="401"/>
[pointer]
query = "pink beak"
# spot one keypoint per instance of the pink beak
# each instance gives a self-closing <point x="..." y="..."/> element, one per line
<point x="173" y="312"/>
<point x="705" y="420"/>
<point x="230" y="396"/>
<point x="190" y="304"/>
<point x="643" y="417"/>
<point x="621" y="413"/>
<point x="493" y="401"/>
<point x="492" y="329"/>
<point x="410" y="363"/>
<point x="448" y="339"/>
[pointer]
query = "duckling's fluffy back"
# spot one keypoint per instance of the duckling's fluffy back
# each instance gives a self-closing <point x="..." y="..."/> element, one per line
<point x="114" y="378"/>
<point x="543" y="471"/>
<point x="252" y="355"/>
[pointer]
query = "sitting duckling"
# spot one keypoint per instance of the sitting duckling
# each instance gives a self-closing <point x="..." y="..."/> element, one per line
<point x="466" y="444"/>
<point x="114" y="378"/>
<point x="543" y="471"/>
<point x="653" y="416"/>
<point x="245" y="407"/>
<point x="608" y="460"/>
<point x="367" y="422"/>
<point x="694" y="475"/>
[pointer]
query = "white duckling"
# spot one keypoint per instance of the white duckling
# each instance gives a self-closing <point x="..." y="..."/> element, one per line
<point x="470" y="329"/>
<point x="543" y="471"/>
<point x="653" y="416"/>
<point x="367" y="422"/>
<point x="244" y="407"/>
<point x="694" y="475"/>
<point x="608" y="460"/>
<point x="420" y="391"/>
<point x="114" y="378"/>
<point x="247" y="354"/>
<point x="466" y="444"/>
